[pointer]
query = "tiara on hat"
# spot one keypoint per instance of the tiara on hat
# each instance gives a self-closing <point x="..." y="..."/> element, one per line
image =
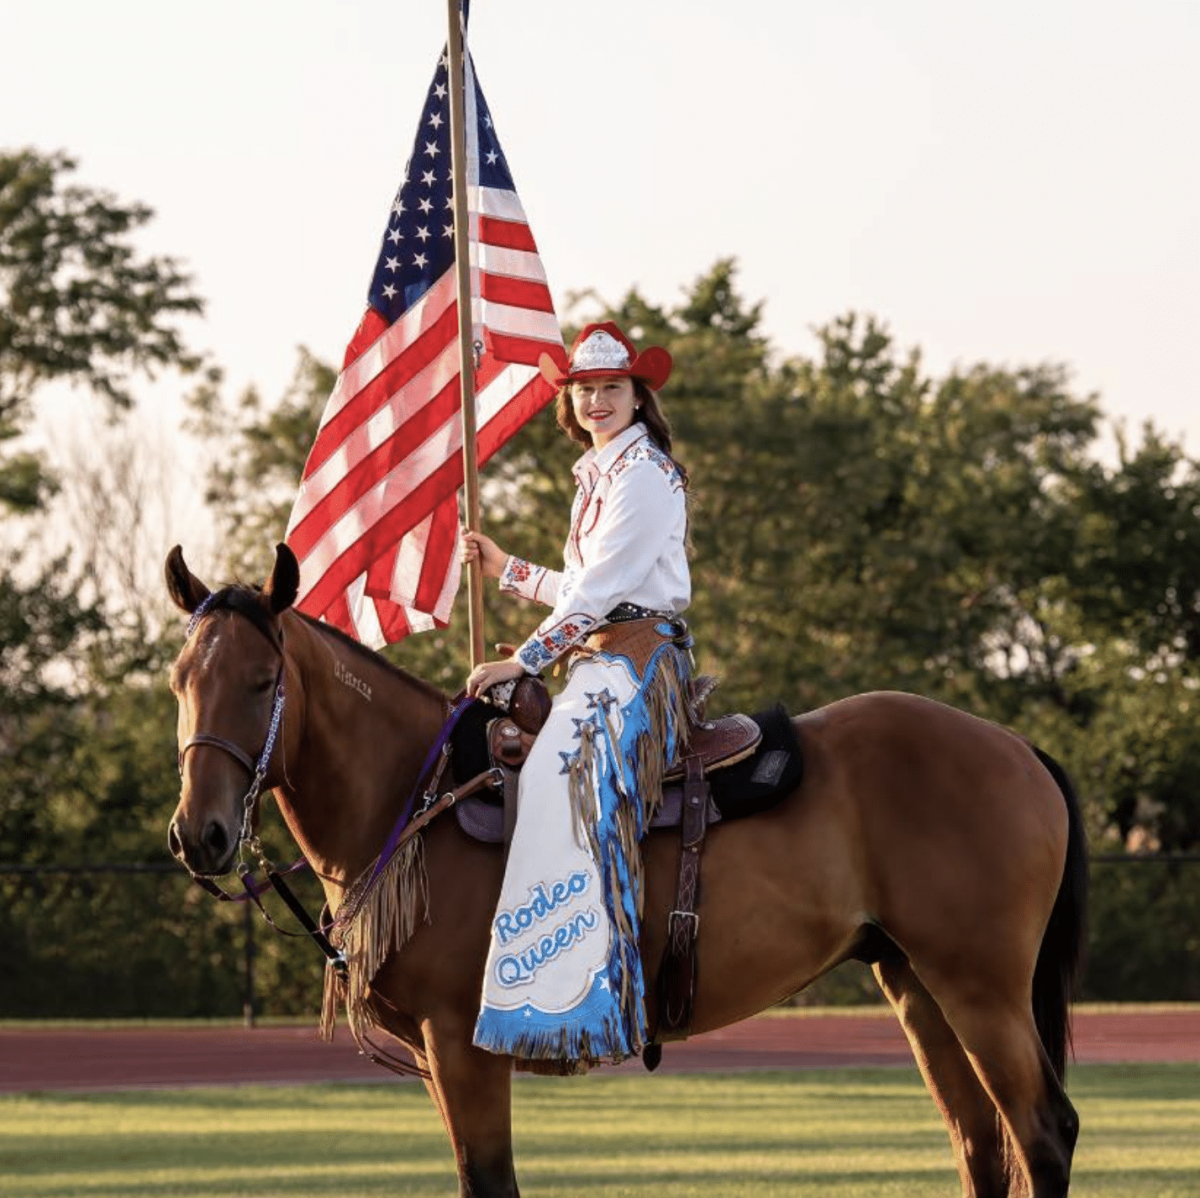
<point x="602" y="349"/>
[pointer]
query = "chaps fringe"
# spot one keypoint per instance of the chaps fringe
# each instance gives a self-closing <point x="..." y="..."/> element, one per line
<point x="665" y="694"/>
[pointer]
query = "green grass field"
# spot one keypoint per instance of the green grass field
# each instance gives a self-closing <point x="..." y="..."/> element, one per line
<point x="869" y="1133"/>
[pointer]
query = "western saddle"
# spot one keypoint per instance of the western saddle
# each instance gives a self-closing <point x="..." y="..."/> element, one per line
<point x="687" y="803"/>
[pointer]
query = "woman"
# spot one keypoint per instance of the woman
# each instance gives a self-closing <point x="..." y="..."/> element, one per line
<point x="564" y="977"/>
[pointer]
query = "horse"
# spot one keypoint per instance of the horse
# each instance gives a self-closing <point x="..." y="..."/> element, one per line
<point x="943" y="850"/>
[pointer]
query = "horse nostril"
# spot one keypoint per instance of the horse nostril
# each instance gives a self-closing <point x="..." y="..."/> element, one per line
<point x="216" y="840"/>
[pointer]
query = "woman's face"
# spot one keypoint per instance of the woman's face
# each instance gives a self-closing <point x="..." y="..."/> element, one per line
<point x="603" y="406"/>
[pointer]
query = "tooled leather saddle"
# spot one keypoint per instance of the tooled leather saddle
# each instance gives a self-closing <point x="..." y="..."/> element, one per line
<point x="758" y="756"/>
<point x="511" y="726"/>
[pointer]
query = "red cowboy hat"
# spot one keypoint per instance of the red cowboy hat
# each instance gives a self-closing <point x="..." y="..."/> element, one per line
<point x="602" y="349"/>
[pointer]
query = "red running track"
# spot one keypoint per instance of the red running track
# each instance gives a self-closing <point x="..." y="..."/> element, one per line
<point x="141" y="1057"/>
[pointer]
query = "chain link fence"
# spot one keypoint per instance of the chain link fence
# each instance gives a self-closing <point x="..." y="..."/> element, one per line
<point x="142" y="941"/>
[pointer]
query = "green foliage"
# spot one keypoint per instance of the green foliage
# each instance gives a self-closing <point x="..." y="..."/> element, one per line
<point x="39" y="624"/>
<point x="856" y="1133"/>
<point x="855" y="523"/>
<point x="78" y="301"/>
<point x="86" y="723"/>
<point x="1145" y="931"/>
<point x="1139" y="560"/>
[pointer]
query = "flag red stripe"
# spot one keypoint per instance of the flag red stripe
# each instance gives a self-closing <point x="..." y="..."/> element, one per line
<point x="442" y="481"/>
<point x="519" y="293"/>
<point x="521" y="350"/>
<point x="338" y="614"/>
<point x="392" y="620"/>
<point x="370" y="329"/>
<point x="402" y="369"/>
<point x="443" y="544"/>
<point x="507" y="233"/>
<point x="379" y="572"/>
<point x="376" y="466"/>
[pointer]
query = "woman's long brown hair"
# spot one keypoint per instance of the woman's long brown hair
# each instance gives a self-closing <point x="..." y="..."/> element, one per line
<point x="650" y="414"/>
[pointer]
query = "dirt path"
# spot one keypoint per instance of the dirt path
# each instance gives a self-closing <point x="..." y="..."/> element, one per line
<point x="138" y="1057"/>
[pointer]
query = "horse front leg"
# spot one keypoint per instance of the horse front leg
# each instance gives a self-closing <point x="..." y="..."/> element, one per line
<point x="473" y="1091"/>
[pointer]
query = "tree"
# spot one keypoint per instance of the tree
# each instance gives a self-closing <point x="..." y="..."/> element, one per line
<point x="256" y="459"/>
<point x="1139" y="558"/>
<point x="1135" y="577"/>
<point x="78" y="302"/>
<point x="858" y="524"/>
<point x="39" y="624"/>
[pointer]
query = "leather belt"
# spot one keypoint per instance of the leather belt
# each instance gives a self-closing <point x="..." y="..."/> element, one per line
<point x="631" y="611"/>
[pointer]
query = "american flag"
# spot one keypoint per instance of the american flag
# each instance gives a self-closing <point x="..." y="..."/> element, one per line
<point x="375" y="523"/>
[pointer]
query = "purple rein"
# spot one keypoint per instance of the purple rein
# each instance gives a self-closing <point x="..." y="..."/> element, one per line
<point x="252" y="889"/>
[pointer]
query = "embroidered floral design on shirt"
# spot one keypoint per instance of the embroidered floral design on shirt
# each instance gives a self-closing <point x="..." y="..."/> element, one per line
<point x="646" y="451"/>
<point x="547" y="644"/>
<point x="525" y="579"/>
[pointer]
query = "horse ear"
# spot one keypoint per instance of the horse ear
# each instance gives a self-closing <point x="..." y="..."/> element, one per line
<point x="182" y="585"/>
<point x="281" y="588"/>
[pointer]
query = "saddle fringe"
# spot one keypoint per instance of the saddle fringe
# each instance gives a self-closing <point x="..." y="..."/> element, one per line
<point x="388" y="916"/>
<point x="383" y="925"/>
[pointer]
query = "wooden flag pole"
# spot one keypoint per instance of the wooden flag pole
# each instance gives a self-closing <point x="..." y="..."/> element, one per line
<point x="466" y="350"/>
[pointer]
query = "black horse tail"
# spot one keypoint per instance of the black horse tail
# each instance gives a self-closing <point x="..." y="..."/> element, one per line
<point x="1060" y="957"/>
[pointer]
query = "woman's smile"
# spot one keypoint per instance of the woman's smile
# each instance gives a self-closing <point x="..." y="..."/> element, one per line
<point x="604" y="406"/>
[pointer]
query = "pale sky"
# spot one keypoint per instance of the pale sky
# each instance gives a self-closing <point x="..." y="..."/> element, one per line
<point x="1012" y="182"/>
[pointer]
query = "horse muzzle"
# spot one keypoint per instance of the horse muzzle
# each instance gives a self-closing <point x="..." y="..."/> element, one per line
<point x="208" y="850"/>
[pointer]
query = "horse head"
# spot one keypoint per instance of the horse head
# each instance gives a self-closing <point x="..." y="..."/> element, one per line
<point x="228" y="680"/>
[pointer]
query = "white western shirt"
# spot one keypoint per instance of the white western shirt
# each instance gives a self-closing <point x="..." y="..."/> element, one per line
<point x="628" y="528"/>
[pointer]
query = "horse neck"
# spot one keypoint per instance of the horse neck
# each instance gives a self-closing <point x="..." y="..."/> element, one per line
<point x="356" y="732"/>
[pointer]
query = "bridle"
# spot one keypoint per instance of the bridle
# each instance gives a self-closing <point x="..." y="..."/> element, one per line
<point x="253" y="890"/>
<point x="412" y="818"/>
<point x="256" y="769"/>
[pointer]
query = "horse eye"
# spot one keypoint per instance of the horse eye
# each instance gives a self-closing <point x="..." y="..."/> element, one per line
<point x="261" y="688"/>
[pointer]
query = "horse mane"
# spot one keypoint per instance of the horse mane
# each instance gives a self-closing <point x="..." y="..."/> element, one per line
<point x="361" y="650"/>
<point x="247" y="600"/>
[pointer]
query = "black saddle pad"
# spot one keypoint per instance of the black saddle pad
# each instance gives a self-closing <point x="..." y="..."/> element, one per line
<point x="772" y="771"/>
<point x="469" y="741"/>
